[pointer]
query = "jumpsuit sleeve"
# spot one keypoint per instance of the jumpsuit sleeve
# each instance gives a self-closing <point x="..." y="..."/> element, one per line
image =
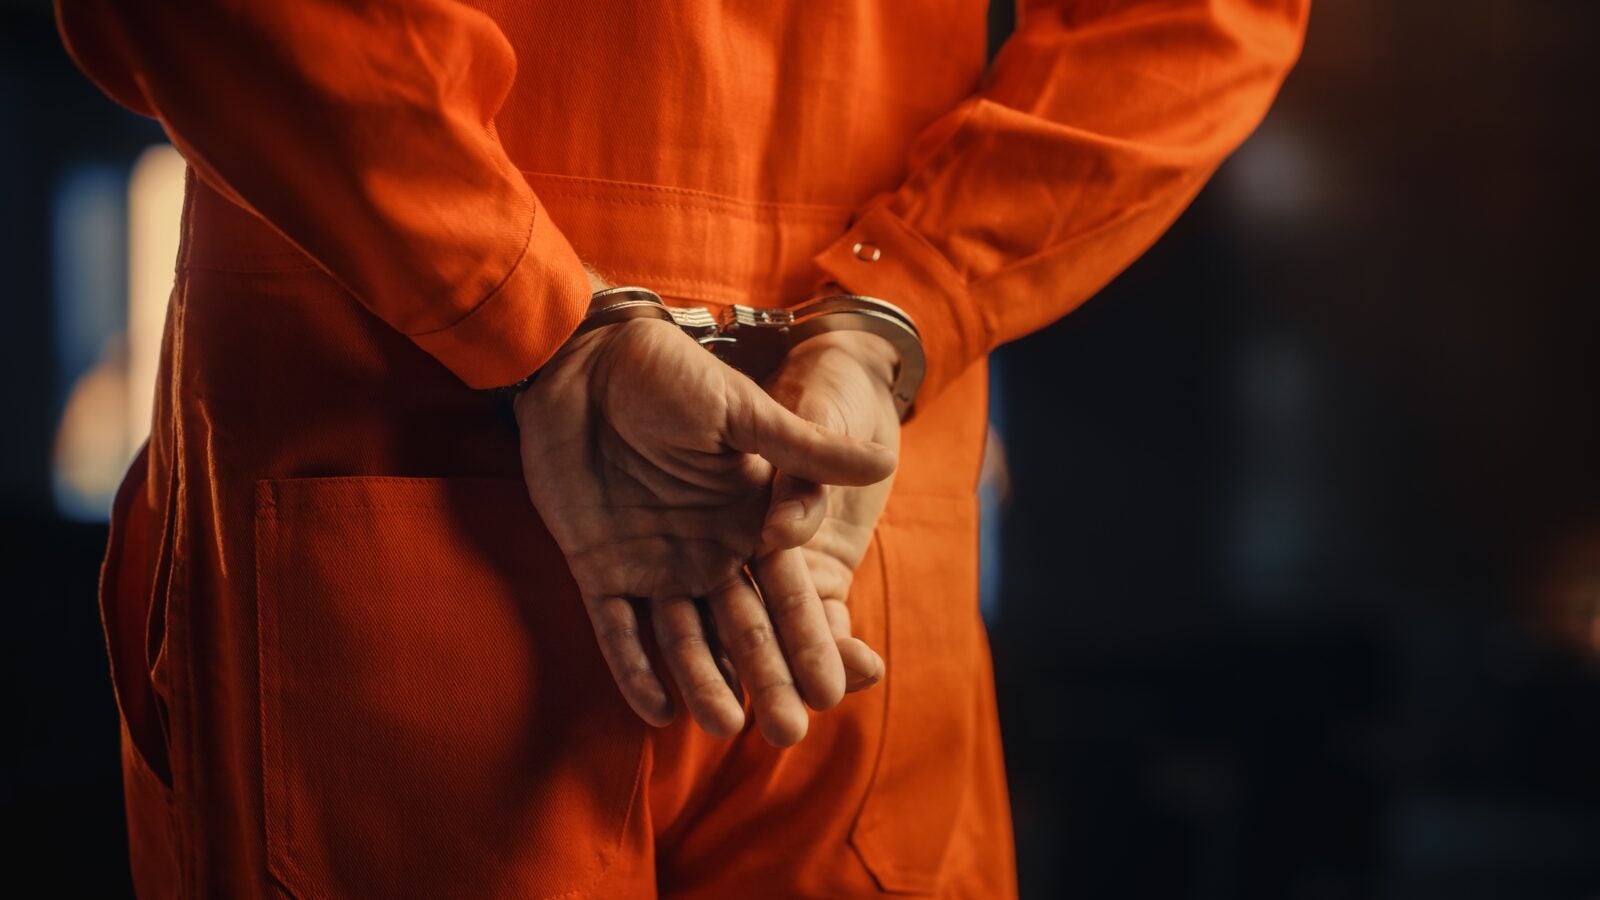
<point x="363" y="132"/>
<point x="1096" y="125"/>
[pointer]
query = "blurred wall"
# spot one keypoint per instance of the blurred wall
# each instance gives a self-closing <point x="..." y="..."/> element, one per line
<point x="59" y="778"/>
<point x="1303" y="552"/>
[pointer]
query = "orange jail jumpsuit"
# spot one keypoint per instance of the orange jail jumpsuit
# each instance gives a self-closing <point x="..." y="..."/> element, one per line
<point x="349" y="658"/>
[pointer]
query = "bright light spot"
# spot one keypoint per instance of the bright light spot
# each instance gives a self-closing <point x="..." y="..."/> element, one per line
<point x="107" y="413"/>
<point x="155" y="219"/>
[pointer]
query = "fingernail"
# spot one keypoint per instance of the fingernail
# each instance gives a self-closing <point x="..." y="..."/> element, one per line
<point x="873" y="670"/>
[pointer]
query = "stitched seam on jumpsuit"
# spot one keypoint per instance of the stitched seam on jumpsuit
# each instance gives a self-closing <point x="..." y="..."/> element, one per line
<point x="270" y="807"/>
<point x="896" y="515"/>
<point x="300" y="266"/>
<point x="185" y="229"/>
<point x="599" y="185"/>
<point x="726" y="296"/>
<point x="700" y="282"/>
<point x="753" y="215"/>
<point x="189" y="865"/>
<point x="920" y="180"/>
<point x="984" y="315"/>
<point x="829" y="218"/>
<point x="722" y="293"/>
<point x="281" y="865"/>
<point x="694" y="282"/>
<point x="494" y="292"/>
<point x="888" y="698"/>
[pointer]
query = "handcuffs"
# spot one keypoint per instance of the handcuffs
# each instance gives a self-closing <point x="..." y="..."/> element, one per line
<point x="755" y="340"/>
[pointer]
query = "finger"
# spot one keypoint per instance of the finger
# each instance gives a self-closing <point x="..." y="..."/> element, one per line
<point x="745" y="630"/>
<point x="617" y="628"/>
<point x="682" y="640"/>
<point x="759" y="424"/>
<point x="796" y="512"/>
<point x="809" y="646"/>
<point x="863" y="667"/>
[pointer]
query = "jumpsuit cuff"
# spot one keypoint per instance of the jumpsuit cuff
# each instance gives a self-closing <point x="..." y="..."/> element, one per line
<point x="881" y="256"/>
<point x="523" y="321"/>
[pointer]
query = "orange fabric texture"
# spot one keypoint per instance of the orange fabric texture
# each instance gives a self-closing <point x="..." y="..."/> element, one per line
<point x="349" y="657"/>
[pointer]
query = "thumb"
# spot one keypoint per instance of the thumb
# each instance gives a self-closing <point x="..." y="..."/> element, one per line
<point x="795" y="513"/>
<point x="759" y="424"/>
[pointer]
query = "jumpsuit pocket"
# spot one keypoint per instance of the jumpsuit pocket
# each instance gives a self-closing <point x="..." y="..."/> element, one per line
<point x="932" y="635"/>
<point x="436" y="718"/>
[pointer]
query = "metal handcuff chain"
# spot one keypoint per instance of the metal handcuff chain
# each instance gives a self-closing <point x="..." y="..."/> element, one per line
<point x="755" y="340"/>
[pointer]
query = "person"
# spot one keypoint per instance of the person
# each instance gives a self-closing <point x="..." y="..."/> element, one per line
<point x="354" y="660"/>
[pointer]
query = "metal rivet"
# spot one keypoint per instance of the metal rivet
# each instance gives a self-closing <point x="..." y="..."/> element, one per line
<point x="867" y="252"/>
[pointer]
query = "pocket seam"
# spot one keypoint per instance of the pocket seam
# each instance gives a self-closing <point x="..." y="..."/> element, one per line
<point x="925" y="510"/>
<point x="278" y="856"/>
<point x="111" y="602"/>
<point x="302" y="496"/>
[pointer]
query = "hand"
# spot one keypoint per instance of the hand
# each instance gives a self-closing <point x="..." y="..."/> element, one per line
<point x="652" y="464"/>
<point x="841" y="381"/>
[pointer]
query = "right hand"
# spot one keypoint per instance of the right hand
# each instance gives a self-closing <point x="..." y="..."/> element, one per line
<point x="652" y="463"/>
<point x="842" y="381"/>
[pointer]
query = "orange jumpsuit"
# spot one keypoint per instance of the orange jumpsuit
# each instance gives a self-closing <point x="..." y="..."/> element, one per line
<point x="349" y="658"/>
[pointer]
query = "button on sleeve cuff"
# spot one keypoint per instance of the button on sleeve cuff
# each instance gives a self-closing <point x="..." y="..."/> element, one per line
<point x="881" y="256"/>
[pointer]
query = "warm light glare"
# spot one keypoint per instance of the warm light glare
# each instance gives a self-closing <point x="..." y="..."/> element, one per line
<point x="155" y="216"/>
<point x="107" y="412"/>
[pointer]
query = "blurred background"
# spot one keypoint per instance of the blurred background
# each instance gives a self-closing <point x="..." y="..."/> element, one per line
<point x="1292" y="535"/>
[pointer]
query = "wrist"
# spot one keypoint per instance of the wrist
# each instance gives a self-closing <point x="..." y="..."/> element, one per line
<point x="608" y="306"/>
<point x="872" y="352"/>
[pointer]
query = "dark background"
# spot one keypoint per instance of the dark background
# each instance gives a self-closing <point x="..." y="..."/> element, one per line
<point x="1299" y="571"/>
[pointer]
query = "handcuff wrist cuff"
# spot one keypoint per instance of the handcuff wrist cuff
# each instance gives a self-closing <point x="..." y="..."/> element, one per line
<point x="755" y="340"/>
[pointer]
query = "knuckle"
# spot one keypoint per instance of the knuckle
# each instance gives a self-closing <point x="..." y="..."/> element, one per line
<point x="755" y="638"/>
<point x="707" y="692"/>
<point x="619" y="635"/>
<point x="775" y="685"/>
<point x="816" y="652"/>
<point x="686" y="642"/>
<point x="787" y="603"/>
<point x="637" y="676"/>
